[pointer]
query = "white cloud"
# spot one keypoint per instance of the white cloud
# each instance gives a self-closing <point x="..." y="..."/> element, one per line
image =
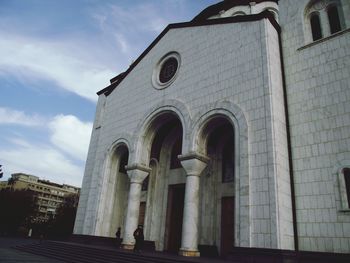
<point x="42" y="161"/>
<point x="10" y="116"/>
<point x="60" y="160"/>
<point x="57" y="61"/>
<point x="132" y="27"/>
<point x="71" y="135"/>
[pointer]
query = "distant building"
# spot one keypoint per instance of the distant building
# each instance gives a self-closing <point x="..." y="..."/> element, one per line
<point x="49" y="195"/>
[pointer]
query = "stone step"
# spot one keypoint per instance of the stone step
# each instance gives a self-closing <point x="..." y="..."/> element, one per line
<point x="79" y="256"/>
<point x="76" y="253"/>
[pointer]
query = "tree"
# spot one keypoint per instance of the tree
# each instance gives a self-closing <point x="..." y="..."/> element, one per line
<point x="62" y="225"/>
<point x="16" y="206"/>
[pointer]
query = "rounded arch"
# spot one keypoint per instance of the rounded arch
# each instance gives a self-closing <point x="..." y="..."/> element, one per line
<point x="119" y="140"/>
<point x="234" y="115"/>
<point x="273" y="10"/>
<point x="152" y="120"/>
<point x="225" y="109"/>
<point x="319" y="9"/>
<point x="237" y="10"/>
<point x="114" y="176"/>
<point x="239" y="13"/>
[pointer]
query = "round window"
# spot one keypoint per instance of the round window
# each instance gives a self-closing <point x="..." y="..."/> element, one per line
<point x="166" y="70"/>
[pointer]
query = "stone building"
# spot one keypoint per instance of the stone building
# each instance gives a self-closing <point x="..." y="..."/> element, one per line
<point x="49" y="195"/>
<point x="231" y="130"/>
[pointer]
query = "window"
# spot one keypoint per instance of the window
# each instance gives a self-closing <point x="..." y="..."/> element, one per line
<point x="175" y="151"/>
<point x="123" y="163"/>
<point x="344" y="186"/>
<point x="333" y="17"/>
<point x="228" y="171"/>
<point x="166" y="70"/>
<point x="315" y="27"/>
<point x="323" y="18"/>
<point x="346" y="173"/>
<point x="145" y="184"/>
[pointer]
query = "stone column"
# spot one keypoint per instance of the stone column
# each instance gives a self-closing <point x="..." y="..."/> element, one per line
<point x="137" y="173"/>
<point x="194" y="164"/>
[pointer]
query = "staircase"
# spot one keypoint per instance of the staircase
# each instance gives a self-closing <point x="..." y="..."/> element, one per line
<point x="77" y="253"/>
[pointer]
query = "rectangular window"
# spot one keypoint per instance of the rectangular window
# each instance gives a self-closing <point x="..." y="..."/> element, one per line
<point x="346" y="172"/>
<point x="334" y="21"/>
<point x="315" y="27"/>
<point x="228" y="163"/>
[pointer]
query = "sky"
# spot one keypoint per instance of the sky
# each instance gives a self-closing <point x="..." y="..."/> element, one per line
<point x="54" y="56"/>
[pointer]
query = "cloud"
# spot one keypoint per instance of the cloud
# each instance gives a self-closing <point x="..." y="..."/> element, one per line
<point x="43" y="161"/>
<point x="10" y="116"/>
<point x="56" y="61"/>
<point x="61" y="159"/>
<point x="71" y="135"/>
<point x="132" y="26"/>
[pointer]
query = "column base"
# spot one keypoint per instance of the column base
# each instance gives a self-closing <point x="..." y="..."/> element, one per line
<point x="189" y="253"/>
<point x="127" y="246"/>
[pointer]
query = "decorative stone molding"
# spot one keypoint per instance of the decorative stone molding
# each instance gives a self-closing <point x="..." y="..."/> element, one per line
<point x="193" y="163"/>
<point x="157" y="81"/>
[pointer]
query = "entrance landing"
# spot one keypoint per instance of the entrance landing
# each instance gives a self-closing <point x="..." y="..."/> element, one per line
<point x="79" y="253"/>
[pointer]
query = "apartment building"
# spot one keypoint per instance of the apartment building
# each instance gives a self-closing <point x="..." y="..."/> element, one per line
<point x="49" y="195"/>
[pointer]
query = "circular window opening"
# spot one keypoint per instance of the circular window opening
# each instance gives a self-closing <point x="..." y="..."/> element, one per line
<point x="166" y="70"/>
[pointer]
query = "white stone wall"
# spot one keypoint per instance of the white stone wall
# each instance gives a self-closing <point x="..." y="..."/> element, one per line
<point x="84" y="213"/>
<point x="238" y="63"/>
<point x="318" y="77"/>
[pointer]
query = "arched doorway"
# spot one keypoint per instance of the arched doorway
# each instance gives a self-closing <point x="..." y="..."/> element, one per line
<point x="163" y="191"/>
<point x="120" y="187"/>
<point x="218" y="185"/>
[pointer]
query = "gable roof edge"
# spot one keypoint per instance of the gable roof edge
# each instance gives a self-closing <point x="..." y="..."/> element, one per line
<point x="236" y="19"/>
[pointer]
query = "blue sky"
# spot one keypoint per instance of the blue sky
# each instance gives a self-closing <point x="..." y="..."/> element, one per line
<point x="54" y="56"/>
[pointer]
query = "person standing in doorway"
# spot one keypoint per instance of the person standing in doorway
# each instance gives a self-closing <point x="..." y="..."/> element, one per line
<point x="139" y="238"/>
<point x="117" y="236"/>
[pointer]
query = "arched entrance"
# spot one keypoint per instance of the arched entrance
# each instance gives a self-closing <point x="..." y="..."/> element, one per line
<point x="163" y="191"/>
<point x="115" y="186"/>
<point x="218" y="185"/>
<point x="121" y="189"/>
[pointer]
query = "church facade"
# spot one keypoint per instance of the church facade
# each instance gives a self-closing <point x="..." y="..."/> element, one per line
<point x="231" y="130"/>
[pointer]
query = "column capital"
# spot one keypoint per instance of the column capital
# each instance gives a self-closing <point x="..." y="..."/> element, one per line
<point x="193" y="163"/>
<point x="137" y="172"/>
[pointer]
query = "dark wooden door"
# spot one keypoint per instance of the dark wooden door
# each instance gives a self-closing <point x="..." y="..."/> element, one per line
<point x="142" y="213"/>
<point x="227" y="224"/>
<point x="176" y="197"/>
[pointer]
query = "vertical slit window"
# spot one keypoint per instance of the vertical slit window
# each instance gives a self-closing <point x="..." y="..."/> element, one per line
<point x="145" y="184"/>
<point x="334" y="21"/>
<point x="315" y="27"/>
<point x="176" y="150"/>
<point x="228" y="161"/>
<point x="123" y="163"/>
<point x="346" y="172"/>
